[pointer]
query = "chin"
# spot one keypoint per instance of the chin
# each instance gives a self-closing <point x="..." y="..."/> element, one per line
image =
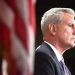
<point x="72" y="45"/>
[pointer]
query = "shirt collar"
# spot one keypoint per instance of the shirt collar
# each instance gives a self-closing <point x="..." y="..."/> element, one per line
<point x="58" y="55"/>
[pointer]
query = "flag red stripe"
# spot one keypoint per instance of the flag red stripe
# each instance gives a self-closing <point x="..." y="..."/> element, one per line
<point x="0" y="32"/>
<point x="32" y="14"/>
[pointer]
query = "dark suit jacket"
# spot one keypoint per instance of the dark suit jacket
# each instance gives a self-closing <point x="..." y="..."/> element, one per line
<point x="46" y="62"/>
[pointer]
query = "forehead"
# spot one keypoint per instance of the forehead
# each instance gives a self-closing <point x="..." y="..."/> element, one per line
<point x="68" y="17"/>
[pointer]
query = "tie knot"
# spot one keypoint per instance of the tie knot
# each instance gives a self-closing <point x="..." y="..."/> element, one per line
<point x="62" y="61"/>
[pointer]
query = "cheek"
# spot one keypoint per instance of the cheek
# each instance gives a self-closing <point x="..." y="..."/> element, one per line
<point x="65" y="34"/>
<point x="68" y="32"/>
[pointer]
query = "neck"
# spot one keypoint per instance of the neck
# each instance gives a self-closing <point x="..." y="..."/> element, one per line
<point x="59" y="47"/>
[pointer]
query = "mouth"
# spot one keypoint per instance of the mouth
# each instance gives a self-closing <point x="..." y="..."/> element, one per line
<point x="73" y="39"/>
<point x="74" y="43"/>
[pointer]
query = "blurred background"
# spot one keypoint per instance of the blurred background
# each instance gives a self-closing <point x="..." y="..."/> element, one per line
<point x="41" y="7"/>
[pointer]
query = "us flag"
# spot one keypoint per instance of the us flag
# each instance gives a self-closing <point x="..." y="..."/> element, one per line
<point x="17" y="36"/>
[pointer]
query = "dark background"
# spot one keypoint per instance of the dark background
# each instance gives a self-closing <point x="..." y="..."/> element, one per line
<point x="41" y="7"/>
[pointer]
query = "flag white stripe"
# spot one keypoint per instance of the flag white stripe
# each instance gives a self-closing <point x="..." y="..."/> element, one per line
<point x="6" y="14"/>
<point x="4" y="67"/>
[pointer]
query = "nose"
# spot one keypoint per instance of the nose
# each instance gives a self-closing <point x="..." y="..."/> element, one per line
<point x="74" y="27"/>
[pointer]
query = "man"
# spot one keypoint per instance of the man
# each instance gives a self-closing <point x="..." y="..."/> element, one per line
<point x="58" y="28"/>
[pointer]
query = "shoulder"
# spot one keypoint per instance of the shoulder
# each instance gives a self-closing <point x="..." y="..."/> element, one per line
<point x="44" y="53"/>
<point x="44" y="49"/>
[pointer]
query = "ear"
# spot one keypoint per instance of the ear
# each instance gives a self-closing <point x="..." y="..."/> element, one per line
<point x="52" y="29"/>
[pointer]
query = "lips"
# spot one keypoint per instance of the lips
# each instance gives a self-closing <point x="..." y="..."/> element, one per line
<point x="73" y="38"/>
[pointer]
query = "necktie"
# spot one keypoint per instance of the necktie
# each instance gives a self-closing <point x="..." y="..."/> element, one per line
<point x="66" y="70"/>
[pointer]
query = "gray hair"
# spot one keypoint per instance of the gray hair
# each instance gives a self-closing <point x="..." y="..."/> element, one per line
<point x="54" y="16"/>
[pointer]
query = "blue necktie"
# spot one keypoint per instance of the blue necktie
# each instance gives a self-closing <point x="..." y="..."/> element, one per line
<point x="66" y="70"/>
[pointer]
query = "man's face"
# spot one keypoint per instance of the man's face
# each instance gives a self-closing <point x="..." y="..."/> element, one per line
<point x="66" y="31"/>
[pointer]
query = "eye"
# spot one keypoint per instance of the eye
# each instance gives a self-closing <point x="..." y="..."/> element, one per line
<point x="72" y="25"/>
